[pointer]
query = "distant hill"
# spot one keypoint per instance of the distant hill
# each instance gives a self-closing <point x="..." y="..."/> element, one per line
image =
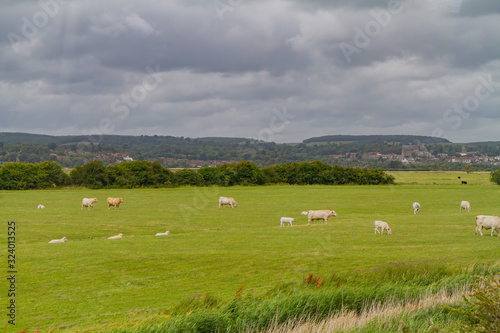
<point x="224" y="140"/>
<point x="180" y="152"/>
<point x="404" y="139"/>
<point x="27" y="138"/>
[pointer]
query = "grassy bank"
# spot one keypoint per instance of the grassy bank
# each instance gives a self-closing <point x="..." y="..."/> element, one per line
<point x="386" y="298"/>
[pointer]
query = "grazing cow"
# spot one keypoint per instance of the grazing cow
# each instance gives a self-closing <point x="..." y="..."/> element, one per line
<point x="304" y="213"/>
<point x="62" y="240"/>
<point x="465" y="205"/>
<point x="227" y="201"/>
<point x="114" y="202"/>
<point x="41" y="206"/>
<point x="416" y="207"/>
<point x="320" y="215"/>
<point x="89" y="202"/>
<point x="464" y="182"/>
<point x="488" y="222"/>
<point x="284" y="220"/>
<point x="459" y="177"/>
<point x="116" y="237"/>
<point x="166" y="233"/>
<point x="383" y="226"/>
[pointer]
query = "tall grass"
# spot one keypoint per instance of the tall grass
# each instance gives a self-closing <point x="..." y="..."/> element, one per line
<point x="342" y="302"/>
<point x="391" y="316"/>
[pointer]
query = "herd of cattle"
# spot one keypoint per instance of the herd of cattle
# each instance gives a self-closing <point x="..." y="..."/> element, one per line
<point x="482" y="221"/>
<point x="89" y="202"/>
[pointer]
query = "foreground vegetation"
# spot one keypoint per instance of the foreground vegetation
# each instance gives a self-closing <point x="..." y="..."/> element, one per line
<point x="392" y="298"/>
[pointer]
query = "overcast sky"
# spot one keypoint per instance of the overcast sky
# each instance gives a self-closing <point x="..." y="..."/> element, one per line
<point x="276" y="70"/>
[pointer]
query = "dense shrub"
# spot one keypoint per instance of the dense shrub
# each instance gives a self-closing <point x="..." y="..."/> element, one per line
<point x="481" y="310"/>
<point x="495" y="176"/>
<point x="322" y="173"/>
<point x="139" y="174"/>
<point x="152" y="174"/>
<point x="27" y="176"/>
<point x="188" y="177"/>
<point x="91" y="175"/>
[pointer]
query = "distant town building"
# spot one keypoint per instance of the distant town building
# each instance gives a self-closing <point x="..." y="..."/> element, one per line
<point x="415" y="150"/>
<point x="128" y="159"/>
<point x="352" y="155"/>
<point x="372" y="155"/>
<point x="464" y="152"/>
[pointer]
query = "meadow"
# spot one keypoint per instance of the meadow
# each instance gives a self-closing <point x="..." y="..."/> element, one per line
<point x="92" y="283"/>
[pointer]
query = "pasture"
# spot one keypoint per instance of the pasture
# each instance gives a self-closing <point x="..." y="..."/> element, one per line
<point x="91" y="282"/>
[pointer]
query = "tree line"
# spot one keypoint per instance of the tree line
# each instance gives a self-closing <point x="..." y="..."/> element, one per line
<point x="181" y="152"/>
<point x="95" y="175"/>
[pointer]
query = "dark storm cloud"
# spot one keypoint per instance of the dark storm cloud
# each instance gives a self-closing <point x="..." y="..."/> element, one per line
<point x="197" y="69"/>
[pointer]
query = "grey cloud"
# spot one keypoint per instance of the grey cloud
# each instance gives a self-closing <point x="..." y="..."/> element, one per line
<point x="226" y="76"/>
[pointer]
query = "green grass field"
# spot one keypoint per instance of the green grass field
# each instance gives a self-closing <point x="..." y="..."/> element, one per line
<point x="91" y="282"/>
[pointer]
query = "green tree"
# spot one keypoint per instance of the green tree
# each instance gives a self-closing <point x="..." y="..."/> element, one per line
<point x="188" y="177"/>
<point x="26" y="176"/>
<point x="18" y="176"/>
<point x="469" y="168"/>
<point x="495" y="176"/>
<point x="91" y="175"/>
<point x="53" y="174"/>
<point x="248" y="173"/>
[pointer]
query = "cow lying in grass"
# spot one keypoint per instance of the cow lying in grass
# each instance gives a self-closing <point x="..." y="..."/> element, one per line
<point x="62" y="240"/>
<point x="116" y="237"/>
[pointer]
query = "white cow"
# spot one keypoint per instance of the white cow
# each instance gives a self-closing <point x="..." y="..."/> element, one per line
<point x="166" y="233"/>
<point x="323" y="214"/>
<point x="383" y="226"/>
<point x="227" y="201"/>
<point x="284" y="220"/>
<point x="465" y="205"/>
<point x="116" y="237"/>
<point x="62" y="240"/>
<point x="488" y="222"/>
<point x="41" y="206"/>
<point x="416" y="207"/>
<point x="89" y="202"/>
